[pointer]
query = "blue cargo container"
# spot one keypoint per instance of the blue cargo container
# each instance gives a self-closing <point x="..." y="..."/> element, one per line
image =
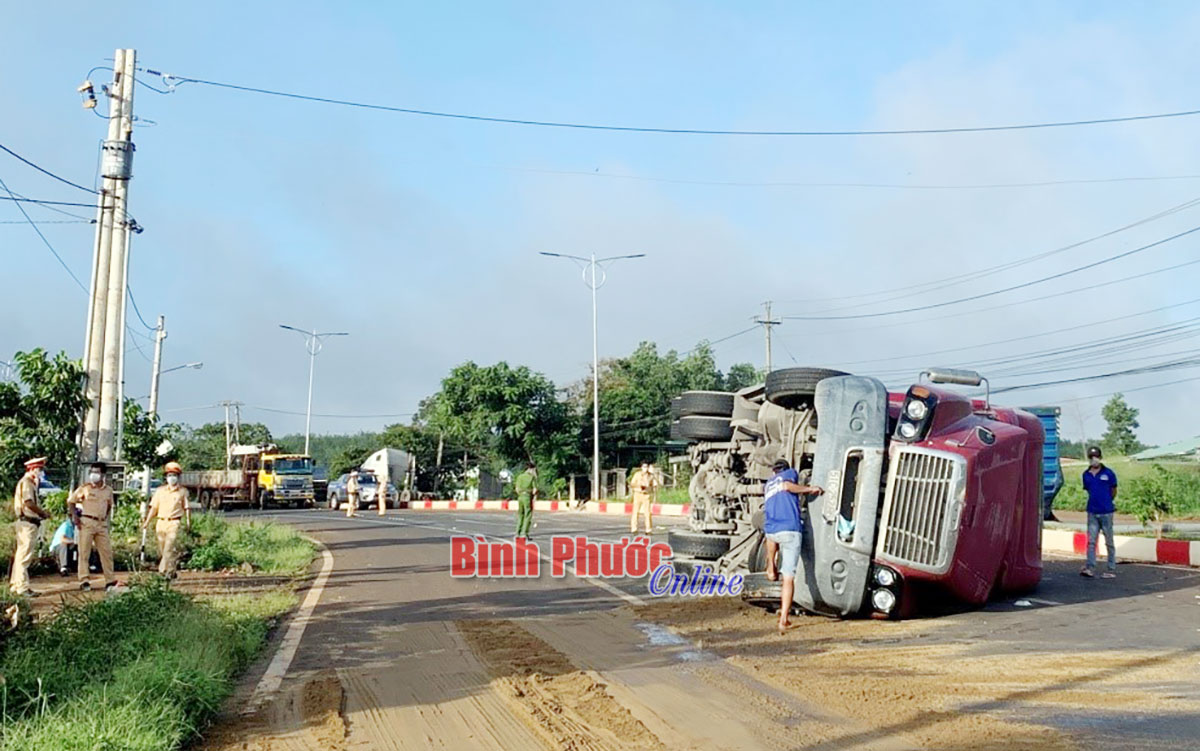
<point x="1052" y="474"/>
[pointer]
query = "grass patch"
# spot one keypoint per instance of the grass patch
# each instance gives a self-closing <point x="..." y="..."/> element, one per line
<point x="141" y="671"/>
<point x="213" y="544"/>
<point x="1185" y="503"/>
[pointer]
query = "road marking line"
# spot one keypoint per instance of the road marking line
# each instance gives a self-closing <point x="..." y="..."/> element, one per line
<point x="272" y="679"/>
<point x="598" y="583"/>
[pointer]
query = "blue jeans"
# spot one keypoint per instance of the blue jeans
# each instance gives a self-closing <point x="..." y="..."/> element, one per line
<point x="789" y="551"/>
<point x="1096" y="524"/>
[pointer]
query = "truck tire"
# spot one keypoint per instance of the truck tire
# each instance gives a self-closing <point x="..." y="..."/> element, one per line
<point x="705" y="403"/>
<point x="791" y="387"/>
<point x="698" y="544"/>
<point x="699" y="428"/>
<point x="675" y="434"/>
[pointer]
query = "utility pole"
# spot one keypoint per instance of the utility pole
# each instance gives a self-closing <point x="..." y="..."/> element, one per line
<point x="228" y="430"/>
<point x="594" y="276"/>
<point x="313" y="342"/>
<point x="160" y="333"/>
<point x="767" y="322"/>
<point x="103" y="346"/>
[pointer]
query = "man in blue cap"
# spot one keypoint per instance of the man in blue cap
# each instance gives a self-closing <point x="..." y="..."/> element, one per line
<point x="784" y="527"/>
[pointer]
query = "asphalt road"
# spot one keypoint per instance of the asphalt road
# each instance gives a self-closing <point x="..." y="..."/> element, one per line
<point x="384" y="626"/>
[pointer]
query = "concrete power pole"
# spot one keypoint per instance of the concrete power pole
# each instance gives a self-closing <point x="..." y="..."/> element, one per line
<point x="103" y="351"/>
<point x="160" y="333"/>
<point x="767" y="322"/>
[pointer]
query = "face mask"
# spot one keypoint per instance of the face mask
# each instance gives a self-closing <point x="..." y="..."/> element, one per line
<point x="172" y="480"/>
<point x="94" y="477"/>
<point x="1095" y="461"/>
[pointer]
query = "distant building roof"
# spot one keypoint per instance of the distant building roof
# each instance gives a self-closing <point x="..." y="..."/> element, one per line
<point x="1179" y="448"/>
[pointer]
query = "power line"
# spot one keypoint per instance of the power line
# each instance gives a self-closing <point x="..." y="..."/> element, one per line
<point x="1026" y="337"/>
<point x="129" y="290"/>
<point x="1052" y="295"/>
<point x="301" y="414"/>
<point x="1157" y="368"/>
<point x="1130" y="391"/>
<point x="930" y="285"/>
<point x="50" y="221"/>
<point x="817" y="184"/>
<point x="44" y="202"/>
<point x="45" y="171"/>
<point x="993" y="293"/>
<point x="173" y="80"/>
<point x="43" y="237"/>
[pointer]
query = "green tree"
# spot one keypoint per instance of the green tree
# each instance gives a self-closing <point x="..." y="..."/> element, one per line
<point x="636" y="393"/>
<point x="1122" y="422"/>
<point x="40" y="413"/>
<point x="741" y="375"/>
<point x="421" y="442"/>
<point x="503" y="415"/>
<point x="142" y="436"/>
<point x="352" y="453"/>
<point x="204" y="447"/>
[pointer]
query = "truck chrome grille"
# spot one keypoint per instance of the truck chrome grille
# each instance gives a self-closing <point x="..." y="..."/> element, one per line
<point x="921" y="508"/>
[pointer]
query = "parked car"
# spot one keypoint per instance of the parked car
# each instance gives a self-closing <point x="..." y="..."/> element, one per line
<point x="46" y="487"/>
<point x="368" y="485"/>
<point x="135" y="483"/>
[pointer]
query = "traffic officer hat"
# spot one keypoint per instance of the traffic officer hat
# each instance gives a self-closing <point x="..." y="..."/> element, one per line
<point x="35" y="463"/>
<point x="172" y="468"/>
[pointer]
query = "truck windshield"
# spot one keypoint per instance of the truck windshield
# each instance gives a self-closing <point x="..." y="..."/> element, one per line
<point x="300" y="466"/>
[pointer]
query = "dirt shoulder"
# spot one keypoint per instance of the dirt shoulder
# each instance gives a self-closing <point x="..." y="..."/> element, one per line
<point x="918" y="682"/>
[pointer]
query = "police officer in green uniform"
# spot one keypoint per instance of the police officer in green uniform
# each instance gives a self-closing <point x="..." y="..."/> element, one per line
<point x="526" y="487"/>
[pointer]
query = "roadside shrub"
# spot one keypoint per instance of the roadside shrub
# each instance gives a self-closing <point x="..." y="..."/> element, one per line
<point x="211" y="557"/>
<point x="215" y="544"/>
<point x="55" y="503"/>
<point x="144" y="670"/>
<point x="1161" y="494"/>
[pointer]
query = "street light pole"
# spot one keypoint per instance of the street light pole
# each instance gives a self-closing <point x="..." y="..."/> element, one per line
<point x="594" y="276"/>
<point x="313" y="342"/>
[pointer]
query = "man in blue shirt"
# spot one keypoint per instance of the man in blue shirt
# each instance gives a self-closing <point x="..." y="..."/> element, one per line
<point x="783" y="528"/>
<point x="1100" y="482"/>
<point x="62" y="545"/>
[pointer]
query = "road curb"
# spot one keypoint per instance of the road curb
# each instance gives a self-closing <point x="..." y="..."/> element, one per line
<point x="604" y="507"/>
<point x="1143" y="549"/>
<point x="277" y="668"/>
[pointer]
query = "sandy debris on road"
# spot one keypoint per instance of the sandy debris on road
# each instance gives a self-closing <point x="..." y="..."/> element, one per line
<point x="304" y="717"/>
<point x="907" y="679"/>
<point x="572" y="707"/>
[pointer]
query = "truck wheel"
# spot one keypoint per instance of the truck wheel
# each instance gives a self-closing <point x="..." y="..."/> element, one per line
<point x="791" y="387"/>
<point x="706" y="403"/>
<point x="698" y="544"/>
<point x="699" y="428"/>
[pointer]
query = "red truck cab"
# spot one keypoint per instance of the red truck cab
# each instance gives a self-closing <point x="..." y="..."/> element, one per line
<point x="961" y="516"/>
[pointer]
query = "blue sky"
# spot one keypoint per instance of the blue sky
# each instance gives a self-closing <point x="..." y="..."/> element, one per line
<point x="420" y="236"/>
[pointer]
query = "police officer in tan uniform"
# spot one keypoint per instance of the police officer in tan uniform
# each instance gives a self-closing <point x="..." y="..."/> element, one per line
<point x="645" y="482"/>
<point x="93" y="504"/>
<point x="382" y="491"/>
<point x="352" y="494"/>
<point x="26" y="525"/>
<point x="170" y="507"/>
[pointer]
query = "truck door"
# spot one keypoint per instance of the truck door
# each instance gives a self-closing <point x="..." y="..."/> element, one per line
<point x="839" y="537"/>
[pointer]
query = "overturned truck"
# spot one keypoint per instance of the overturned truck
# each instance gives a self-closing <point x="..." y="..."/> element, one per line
<point x="929" y="497"/>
